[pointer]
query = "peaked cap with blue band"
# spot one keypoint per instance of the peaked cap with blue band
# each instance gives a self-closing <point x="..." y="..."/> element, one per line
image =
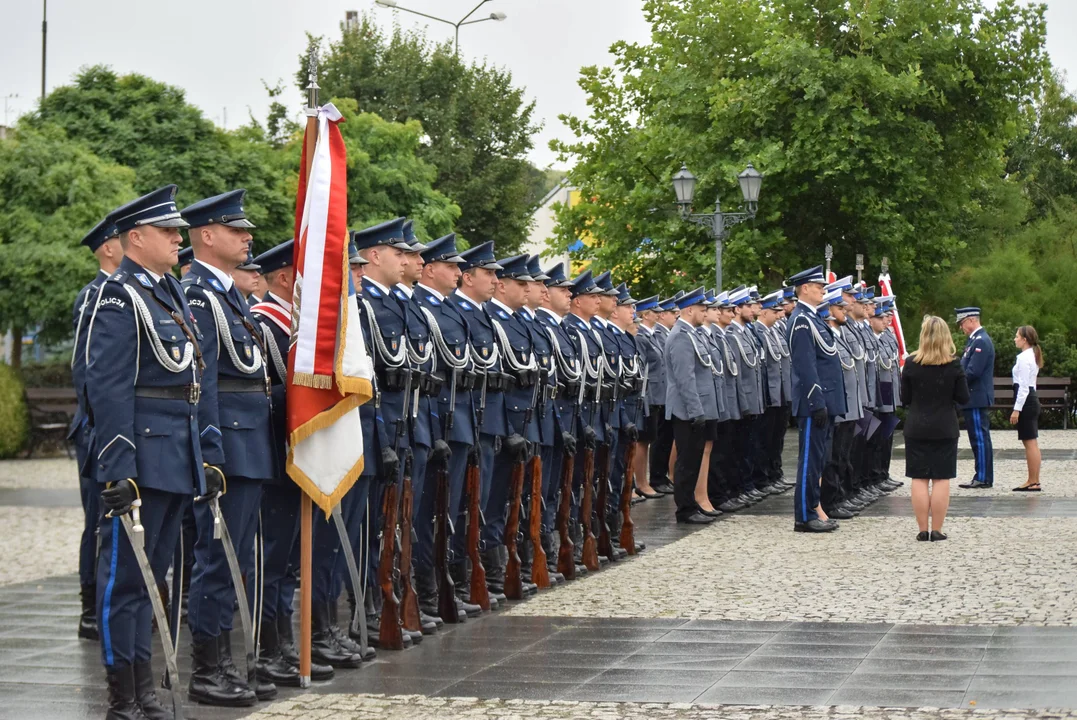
<point x="278" y="257"/>
<point x="789" y="294"/>
<point x="966" y="312"/>
<point x="409" y="237"/>
<point x="157" y="208"/>
<point x="772" y="300"/>
<point x="354" y="258"/>
<point x="811" y="275"/>
<point x="514" y="268"/>
<point x="584" y="284"/>
<point x="186" y="256"/>
<point x="224" y="209"/>
<point x="555" y="276"/>
<point x="481" y="256"/>
<point x="694" y="297"/>
<point x="605" y="283"/>
<point x="535" y="270"/>
<point x="624" y="297"/>
<point x="101" y="233"/>
<point x="844" y="284"/>
<point x="740" y="296"/>
<point x="390" y="232"/>
<point x="250" y="263"/>
<point x="834" y="297"/>
<point x="649" y="303"/>
<point x="442" y="250"/>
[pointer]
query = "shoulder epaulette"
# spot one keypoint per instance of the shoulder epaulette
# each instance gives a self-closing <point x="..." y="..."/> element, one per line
<point x="120" y="276"/>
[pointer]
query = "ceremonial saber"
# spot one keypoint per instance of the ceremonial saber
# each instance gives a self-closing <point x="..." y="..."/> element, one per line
<point x="136" y="535"/>
<point x="357" y="625"/>
<point x="220" y="531"/>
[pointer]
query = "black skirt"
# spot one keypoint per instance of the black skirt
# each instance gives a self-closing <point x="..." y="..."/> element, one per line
<point x="930" y="459"/>
<point x="649" y="431"/>
<point x="1028" y="422"/>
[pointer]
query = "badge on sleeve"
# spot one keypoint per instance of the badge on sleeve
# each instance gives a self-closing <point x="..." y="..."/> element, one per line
<point x="216" y="285"/>
<point x="175" y="353"/>
<point x="247" y="351"/>
<point x="146" y="282"/>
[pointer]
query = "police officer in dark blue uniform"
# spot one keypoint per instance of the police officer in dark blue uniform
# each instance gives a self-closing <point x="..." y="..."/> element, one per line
<point x="457" y="425"/>
<point x="384" y="247"/>
<point x="516" y="349"/>
<point x="478" y="283"/>
<point x="818" y="393"/>
<point x="633" y="409"/>
<point x="220" y="235"/>
<point x="185" y="258"/>
<point x="556" y="303"/>
<point x="650" y="344"/>
<point x="155" y="424"/>
<point x="103" y="241"/>
<point x="978" y="360"/>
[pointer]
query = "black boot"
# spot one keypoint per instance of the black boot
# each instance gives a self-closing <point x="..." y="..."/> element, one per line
<point x="145" y="695"/>
<point x="323" y="644"/>
<point x="495" y="570"/>
<point x="288" y="651"/>
<point x="523" y="550"/>
<point x="344" y="639"/>
<point x="547" y="542"/>
<point x="464" y="609"/>
<point x="88" y="618"/>
<point x="426" y="587"/>
<point x="208" y="685"/>
<point x="272" y="667"/>
<point x="121" y="695"/>
<point x="262" y="690"/>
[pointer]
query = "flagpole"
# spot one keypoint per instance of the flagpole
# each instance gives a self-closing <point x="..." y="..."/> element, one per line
<point x="306" y="519"/>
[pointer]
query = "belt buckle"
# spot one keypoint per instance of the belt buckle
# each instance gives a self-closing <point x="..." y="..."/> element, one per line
<point x="194" y="393"/>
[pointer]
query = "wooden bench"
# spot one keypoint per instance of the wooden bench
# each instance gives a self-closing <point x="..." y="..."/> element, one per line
<point x="51" y="411"/>
<point x="1053" y="392"/>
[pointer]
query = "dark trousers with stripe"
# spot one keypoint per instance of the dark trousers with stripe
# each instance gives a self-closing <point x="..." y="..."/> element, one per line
<point x="661" y="446"/>
<point x="91" y="509"/>
<point x="124" y="612"/>
<point x="978" y="425"/>
<point x="210" y="606"/>
<point x="837" y="481"/>
<point x="690" y="444"/>
<point x="811" y="457"/>
<point x="280" y="526"/>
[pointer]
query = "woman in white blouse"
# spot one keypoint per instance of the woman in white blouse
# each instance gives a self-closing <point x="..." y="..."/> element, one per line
<point x="1026" y="406"/>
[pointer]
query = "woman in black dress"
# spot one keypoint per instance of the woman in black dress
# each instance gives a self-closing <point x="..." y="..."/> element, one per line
<point x="932" y="385"/>
<point x="1026" y="405"/>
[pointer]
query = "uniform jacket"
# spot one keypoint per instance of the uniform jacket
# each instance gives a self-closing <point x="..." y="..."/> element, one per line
<point x="714" y="345"/>
<point x="750" y="377"/>
<point x="772" y="361"/>
<point x="425" y="423"/>
<point x="80" y="430"/>
<point x="276" y="340"/>
<point x="387" y="320"/>
<point x="561" y="342"/>
<point x="871" y="361"/>
<point x="780" y="333"/>
<point x="520" y="344"/>
<point x="588" y="348"/>
<point x="491" y="416"/>
<point x="979" y="363"/>
<point x="730" y="370"/>
<point x="633" y="404"/>
<point x="545" y="410"/>
<point x="607" y="335"/>
<point x="817" y="378"/>
<point x="690" y="390"/>
<point x="450" y="324"/>
<point x="161" y="443"/>
<point x="854" y="409"/>
<point x="652" y="343"/>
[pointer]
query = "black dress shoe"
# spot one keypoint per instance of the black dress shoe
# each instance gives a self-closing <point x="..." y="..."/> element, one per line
<point x="923" y="536"/>
<point x="815" y="525"/>
<point x="662" y="488"/>
<point x="712" y="513"/>
<point x="974" y="485"/>
<point x="937" y="536"/>
<point x="696" y="518"/>
<point x="731" y="505"/>
<point x="646" y="495"/>
<point x="840" y="514"/>
<point x="88" y="617"/>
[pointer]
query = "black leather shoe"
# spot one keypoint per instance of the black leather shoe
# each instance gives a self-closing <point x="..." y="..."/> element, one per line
<point x="974" y="486"/>
<point x="696" y="518"/>
<point x="923" y="536"/>
<point x="208" y="685"/>
<point x="712" y="513"/>
<point x="815" y="525"/>
<point x="324" y="646"/>
<point x="937" y="536"/>
<point x="319" y="672"/>
<point x="646" y="495"/>
<point x="145" y="695"/>
<point x="122" y="703"/>
<point x="746" y="499"/>
<point x="470" y="610"/>
<point x="662" y="488"/>
<point x="732" y="505"/>
<point x="839" y="513"/>
<point x="88" y="616"/>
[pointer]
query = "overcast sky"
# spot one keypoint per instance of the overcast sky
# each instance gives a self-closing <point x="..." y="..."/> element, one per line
<point x="220" y="51"/>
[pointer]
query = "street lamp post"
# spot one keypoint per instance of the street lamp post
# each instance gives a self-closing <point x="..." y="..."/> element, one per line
<point x="495" y="16"/>
<point x="719" y="222"/>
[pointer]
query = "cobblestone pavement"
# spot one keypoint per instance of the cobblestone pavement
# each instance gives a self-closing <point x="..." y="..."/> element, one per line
<point x="407" y="707"/>
<point x="39" y="542"/>
<point x="1058" y="479"/>
<point x="990" y="571"/>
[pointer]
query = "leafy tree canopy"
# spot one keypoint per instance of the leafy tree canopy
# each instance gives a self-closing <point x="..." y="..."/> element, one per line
<point x="878" y="123"/>
<point x="478" y="125"/>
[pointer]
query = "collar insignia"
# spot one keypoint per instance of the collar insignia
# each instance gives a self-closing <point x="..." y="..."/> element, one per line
<point x="372" y="291"/>
<point x="502" y="314"/>
<point x="216" y="285"/>
<point x="146" y="282"/>
<point x="434" y="301"/>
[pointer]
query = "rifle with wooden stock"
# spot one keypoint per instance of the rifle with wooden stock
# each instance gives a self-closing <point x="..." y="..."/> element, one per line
<point x="390" y="636"/>
<point x="409" y="600"/>
<point x="566" y="561"/>
<point x="540" y="574"/>
<point x="439" y="456"/>
<point x="627" y="538"/>
<point x="516" y="447"/>
<point x="589" y="553"/>
<point x="605" y="543"/>
<point x="478" y="593"/>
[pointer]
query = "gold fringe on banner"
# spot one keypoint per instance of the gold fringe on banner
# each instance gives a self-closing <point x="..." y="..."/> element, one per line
<point x="346" y="383"/>
<point x="312" y="380"/>
<point x="320" y="422"/>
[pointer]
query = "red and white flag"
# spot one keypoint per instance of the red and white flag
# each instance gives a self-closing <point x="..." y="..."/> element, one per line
<point x="329" y="370"/>
<point x="886" y="289"/>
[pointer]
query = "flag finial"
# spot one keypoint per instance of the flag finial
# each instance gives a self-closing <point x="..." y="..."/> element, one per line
<point x="885" y="265"/>
<point x="312" y="78"/>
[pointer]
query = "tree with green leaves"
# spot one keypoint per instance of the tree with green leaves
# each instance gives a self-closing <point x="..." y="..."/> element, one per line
<point x="876" y="123"/>
<point x="52" y="191"/>
<point x="478" y="125"/>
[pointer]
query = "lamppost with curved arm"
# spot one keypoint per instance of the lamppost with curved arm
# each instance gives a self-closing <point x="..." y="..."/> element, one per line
<point x="495" y="16"/>
<point x="719" y="222"/>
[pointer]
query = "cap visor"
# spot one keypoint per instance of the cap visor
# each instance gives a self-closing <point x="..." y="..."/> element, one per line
<point x="170" y="223"/>
<point x="240" y="223"/>
<point x="490" y="266"/>
<point x="400" y="245"/>
<point x="358" y="260"/>
<point x="450" y="259"/>
<point x="416" y="247"/>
